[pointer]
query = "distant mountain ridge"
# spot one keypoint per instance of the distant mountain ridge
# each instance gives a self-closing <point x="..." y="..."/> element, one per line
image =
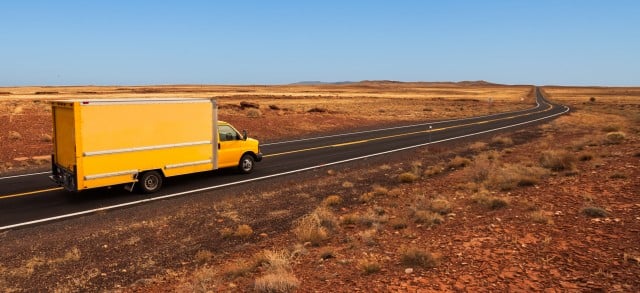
<point x="458" y="83"/>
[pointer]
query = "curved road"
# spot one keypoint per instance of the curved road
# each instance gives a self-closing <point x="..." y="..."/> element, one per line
<point x="32" y="198"/>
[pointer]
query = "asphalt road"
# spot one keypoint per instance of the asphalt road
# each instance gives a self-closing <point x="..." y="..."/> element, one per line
<point x="33" y="199"/>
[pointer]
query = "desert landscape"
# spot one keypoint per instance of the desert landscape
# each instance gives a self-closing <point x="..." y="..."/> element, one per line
<point x="552" y="207"/>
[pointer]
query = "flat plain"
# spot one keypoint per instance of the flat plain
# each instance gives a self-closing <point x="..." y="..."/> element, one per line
<point x="549" y="208"/>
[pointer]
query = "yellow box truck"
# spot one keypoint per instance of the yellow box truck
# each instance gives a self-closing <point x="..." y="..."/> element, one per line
<point x="139" y="142"/>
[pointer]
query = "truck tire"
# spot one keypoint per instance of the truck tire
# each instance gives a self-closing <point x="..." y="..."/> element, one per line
<point x="149" y="182"/>
<point x="246" y="164"/>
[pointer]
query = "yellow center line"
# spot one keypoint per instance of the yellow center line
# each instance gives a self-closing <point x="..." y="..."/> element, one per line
<point x="30" y="192"/>
<point x="402" y="134"/>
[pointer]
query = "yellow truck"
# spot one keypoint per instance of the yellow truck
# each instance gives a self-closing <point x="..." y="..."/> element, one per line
<point x="139" y="142"/>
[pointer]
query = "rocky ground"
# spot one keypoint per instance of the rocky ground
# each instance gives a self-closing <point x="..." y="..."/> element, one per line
<point x="548" y="208"/>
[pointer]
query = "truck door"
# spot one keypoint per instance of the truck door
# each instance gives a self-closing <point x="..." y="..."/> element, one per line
<point x="230" y="146"/>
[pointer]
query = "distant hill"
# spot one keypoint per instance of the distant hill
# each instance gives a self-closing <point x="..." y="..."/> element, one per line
<point x="320" y="82"/>
<point x="382" y="82"/>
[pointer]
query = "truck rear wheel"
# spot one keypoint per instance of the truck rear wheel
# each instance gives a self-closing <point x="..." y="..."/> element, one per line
<point x="246" y="164"/>
<point x="150" y="182"/>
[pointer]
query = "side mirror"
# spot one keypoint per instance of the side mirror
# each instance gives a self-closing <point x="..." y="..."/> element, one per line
<point x="244" y="134"/>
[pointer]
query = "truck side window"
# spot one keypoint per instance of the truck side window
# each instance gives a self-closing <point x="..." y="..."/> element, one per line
<point x="227" y="133"/>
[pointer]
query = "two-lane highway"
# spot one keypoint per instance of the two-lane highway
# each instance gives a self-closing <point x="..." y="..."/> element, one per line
<point x="31" y="199"/>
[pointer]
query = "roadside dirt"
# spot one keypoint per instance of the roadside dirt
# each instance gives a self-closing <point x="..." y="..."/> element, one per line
<point x="575" y="228"/>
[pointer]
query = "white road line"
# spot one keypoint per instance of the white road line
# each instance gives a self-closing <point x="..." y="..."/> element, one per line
<point x="399" y="127"/>
<point x="24" y="175"/>
<point x="266" y="177"/>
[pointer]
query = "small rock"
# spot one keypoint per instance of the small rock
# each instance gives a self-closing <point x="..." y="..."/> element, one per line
<point x="408" y="271"/>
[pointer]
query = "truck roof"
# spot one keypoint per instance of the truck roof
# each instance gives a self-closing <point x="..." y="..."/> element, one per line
<point x="133" y="101"/>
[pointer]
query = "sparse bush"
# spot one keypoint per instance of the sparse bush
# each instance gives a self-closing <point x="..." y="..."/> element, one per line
<point x="407" y="177"/>
<point x="46" y="138"/>
<point x="226" y="232"/>
<point x="618" y="175"/>
<point x="541" y="217"/>
<point x="611" y="128"/>
<point x="254" y="113"/>
<point x="558" y="160"/>
<point x="434" y="170"/>
<point x="379" y="190"/>
<point x="369" y="265"/>
<point x="347" y="184"/>
<point x="332" y="200"/>
<point x="427" y="217"/>
<point x="366" y="197"/>
<point x="440" y="206"/>
<point x="592" y="99"/>
<point x="350" y="219"/>
<point x="511" y="176"/>
<point x="398" y="223"/>
<point x="594" y="212"/>
<point x="277" y="282"/>
<point x="586" y="156"/>
<point x="458" y="162"/>
<point x="243" y="231"/>
<point x="309" y="229"/>
<point x="479" y="145"/>
<point x="203" y="256"/>
<point x="615" y="137"/>
<point x="501" y="140"/>
<point x="413" y="256"/>
<point x="490" y="202"/>
<point x="14" y="135"/>
<point x="238" y="268"/>
<point x="368" y="236"/>
<point x="327" y="218"/>
<point x="203" y="280"/>
<point x="276" y="260"/>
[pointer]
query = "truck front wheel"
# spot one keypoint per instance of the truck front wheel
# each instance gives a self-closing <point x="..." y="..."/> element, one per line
<point x="246" y="164"/>
<point x="150" y="182"/>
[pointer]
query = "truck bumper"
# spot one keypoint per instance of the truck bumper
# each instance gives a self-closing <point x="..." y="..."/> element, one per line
<point x="258" y="157"/>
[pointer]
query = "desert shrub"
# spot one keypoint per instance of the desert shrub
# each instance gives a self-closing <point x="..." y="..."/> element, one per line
<point x="611" y="128"/>
<point x="332" y="200"/>
<point x="490" y="202"/>
<point x="558" y="160"/>
<point x="440" y="206"/>
<point x="501" y="140"/>
<point x="226" y="232"/>
<point x="398" y="223"/>
<point x="203" y="280"/>
<point x="427" y="217"/>
<point x="413" y="256"/>
<point x="511" y="176"/>
<point x="407" y="177"/>
<point x="369" y="265"/>
<point x="243" y="231"/>
<point x="592" y="99"/>
<point x="585" y="156"/>
<point x="434" y="170"/>
<point x="347" y="184"/>
<point x="281" y="281"/>
<point x="309" y="229"/>
<point x="540" y="217"/>
<point x="349" y="219"/>
<point x="203" y="256"/>
<point x="458" y="162"/>
<point x="238" y="268"/>
<point x="371" y="217"/>
<point x="615" y="137"/>
<point x="379" y="190"/>
<point x="254" y="113"/>
<point x="327" y="218"/>
<point x="276" y="260"/>
<point x="14" y="135"/>
<point x="618" y="175"/>
<point x="479" y="145"/>
<point x="594" y="212"/>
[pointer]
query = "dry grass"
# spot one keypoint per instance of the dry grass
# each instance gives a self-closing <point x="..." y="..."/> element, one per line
<point x="414" y="256"/>
<point x="440" y="206"/>
<point x="310" y="229"/>
<point x="243" y="231"/>
<point x="407" y="177"/>
<point x="511" y="176"/>
<point x="427" y="217"/>
<point x="458" y="162"/>
<point x="14" y="135"/>
<point x="615" y="137"/>
<point x="369" y="265"/>
<point x="541" y="217"/>
<point x="558" y="160"/>
<point x="332" y="200"/>
<point x="203" y="256"/>
<point x="280" y="281"/>
<point x="488" y="201"/>
<point x="502" y="141"/>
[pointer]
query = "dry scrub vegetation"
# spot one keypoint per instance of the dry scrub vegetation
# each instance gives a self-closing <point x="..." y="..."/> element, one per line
<point x="531" y="210"/>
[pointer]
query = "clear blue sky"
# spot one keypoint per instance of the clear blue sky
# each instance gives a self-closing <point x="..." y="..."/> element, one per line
<point x="276" y="42"/>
